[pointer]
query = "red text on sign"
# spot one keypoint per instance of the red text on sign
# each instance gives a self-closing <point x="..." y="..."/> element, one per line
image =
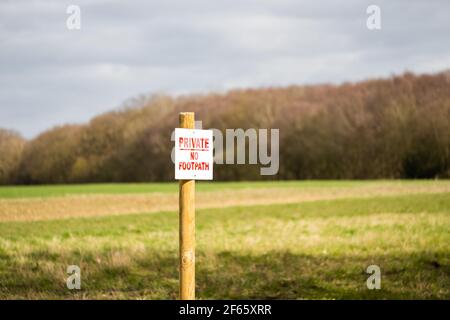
<point x="194" y="143"/>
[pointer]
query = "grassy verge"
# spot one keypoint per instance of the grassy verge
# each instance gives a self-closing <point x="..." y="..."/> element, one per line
<point x="318" y="249"/>
<point x="202" y="186"/>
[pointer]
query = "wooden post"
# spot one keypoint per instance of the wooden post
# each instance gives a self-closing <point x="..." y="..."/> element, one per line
<point x="187" y="225"/>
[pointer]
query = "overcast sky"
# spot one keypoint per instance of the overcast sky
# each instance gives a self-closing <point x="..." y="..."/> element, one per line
<point x="50" y="75"/>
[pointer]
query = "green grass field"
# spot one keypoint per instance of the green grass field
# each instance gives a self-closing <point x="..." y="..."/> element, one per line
<point x="262" y="240"/>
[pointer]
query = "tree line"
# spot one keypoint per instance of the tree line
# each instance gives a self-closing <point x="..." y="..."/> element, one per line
<point x="397" y="127"/>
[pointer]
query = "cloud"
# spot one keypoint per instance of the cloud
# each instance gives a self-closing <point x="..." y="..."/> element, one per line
<point x="50" y="75"/>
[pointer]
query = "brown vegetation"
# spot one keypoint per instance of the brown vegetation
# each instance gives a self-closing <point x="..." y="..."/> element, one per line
<point x="389" y="128"/>
<point x="11" y="147"/>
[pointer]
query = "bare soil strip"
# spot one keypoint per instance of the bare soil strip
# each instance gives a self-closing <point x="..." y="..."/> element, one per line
<point x="33" y="209"/>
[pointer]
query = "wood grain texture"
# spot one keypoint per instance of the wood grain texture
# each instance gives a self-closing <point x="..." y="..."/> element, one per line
<point x="187" y="225"/>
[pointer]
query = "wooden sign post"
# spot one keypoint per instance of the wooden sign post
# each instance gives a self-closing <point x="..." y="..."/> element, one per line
<point x="187" y="225"/>
<point x="193" y="161"/>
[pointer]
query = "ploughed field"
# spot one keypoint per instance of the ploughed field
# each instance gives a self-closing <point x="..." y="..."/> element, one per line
<point x="255" y="240"/>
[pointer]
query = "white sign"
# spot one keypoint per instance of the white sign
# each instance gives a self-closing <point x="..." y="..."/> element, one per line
<point x="193" y="154"/>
